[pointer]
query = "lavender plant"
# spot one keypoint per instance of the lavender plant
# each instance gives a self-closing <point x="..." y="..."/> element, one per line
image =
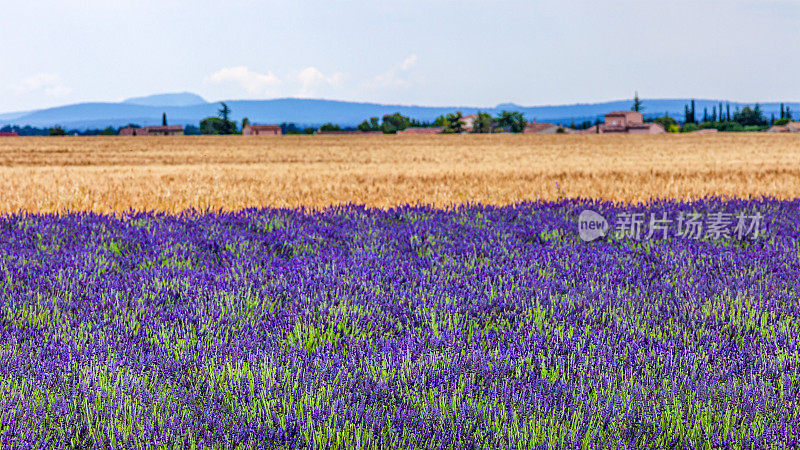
<point x="469" y="327"/>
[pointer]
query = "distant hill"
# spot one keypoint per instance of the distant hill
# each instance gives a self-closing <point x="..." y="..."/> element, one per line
<point x="190" y="109"/>
<point x="180" y="99"/>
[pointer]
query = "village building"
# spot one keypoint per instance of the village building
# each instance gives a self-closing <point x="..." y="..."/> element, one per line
<point x="164" y="130"/>
<point x="791" y="127"/>
<point x="262" y="130"/>
<point x="625" y="122"/>
<point x="132" y="131"/>
<point x="546" y="128"/>
<point x="468" y="122"/>
<point x="422" y="130"/>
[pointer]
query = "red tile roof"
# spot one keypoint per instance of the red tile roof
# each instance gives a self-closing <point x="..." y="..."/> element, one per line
<point x="264" y="127"/>
<point x="535" y="127"/>
<point x="165" y="128"/>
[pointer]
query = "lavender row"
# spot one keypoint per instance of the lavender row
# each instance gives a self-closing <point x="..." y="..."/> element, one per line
<point x="469" y="327"/>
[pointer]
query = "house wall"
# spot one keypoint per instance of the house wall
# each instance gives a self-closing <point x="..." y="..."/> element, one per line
<point x="250" y="130"/>
<point x="266" y="132"/>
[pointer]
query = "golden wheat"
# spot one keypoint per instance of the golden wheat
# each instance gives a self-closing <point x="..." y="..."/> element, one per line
<point x="113" y="174"/>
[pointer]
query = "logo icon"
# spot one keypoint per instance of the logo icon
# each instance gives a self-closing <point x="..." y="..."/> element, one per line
<point x="591" y="225"/>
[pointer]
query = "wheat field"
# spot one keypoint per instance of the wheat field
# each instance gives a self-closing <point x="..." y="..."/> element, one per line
<point x="114" y="174"/>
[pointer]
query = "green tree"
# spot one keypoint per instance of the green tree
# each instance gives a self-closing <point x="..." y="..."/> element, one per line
<point x="750" y="117"/>
<point x="330" y="127"/>
<point x="109" y="131"/>
<point x="667" y="122"/>
<point x="512" y="121"/>
<point x="212" y="125"/>
<point x="483" y="123"/>
<point x="164" y="119"/>
<point x="56" y="131"/>
<point x="228" y="126"/>
<point x="440" y="121"/>
<point x="245" y="122"/>
<point x="689" y="127"/>
<point x="373" y="124"/>
<point x="453" y="124"/>
<point x="781" y="122"/>
<point x="309" y="130"/>
<point x="637" y="104"/>
<point x="689" y="113"/>
<point x="392" y="123"/>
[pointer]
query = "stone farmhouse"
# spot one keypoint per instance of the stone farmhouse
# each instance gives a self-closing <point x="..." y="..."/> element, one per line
<point x="161" y="130"/>
<point x="791" y="127"/>
<point x="262" y="130"/>
<point x="625" y="122"/>
<point x="546" y="128"/>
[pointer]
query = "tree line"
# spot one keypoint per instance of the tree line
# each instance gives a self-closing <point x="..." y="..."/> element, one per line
<point x="506" y="121"/>
<point x="720" y="118"/>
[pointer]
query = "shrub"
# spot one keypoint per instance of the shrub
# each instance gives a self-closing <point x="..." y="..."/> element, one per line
<point x="689" y="127"/>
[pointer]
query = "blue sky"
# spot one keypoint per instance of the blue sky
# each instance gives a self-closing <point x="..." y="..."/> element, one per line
<point x="434" y="52"/>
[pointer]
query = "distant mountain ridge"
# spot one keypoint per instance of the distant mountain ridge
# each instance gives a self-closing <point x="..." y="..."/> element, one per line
<point x="179" y="99"/>
<point x="190" y="109"/>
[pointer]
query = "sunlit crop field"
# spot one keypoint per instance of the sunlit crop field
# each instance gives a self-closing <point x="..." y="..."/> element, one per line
<point x="114" y="174"/>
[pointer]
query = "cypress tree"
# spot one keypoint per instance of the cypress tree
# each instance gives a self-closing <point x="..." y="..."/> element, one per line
<point x="783" y="112"/>
<point x="164" y="119"/>
<point x="637" y="104"/>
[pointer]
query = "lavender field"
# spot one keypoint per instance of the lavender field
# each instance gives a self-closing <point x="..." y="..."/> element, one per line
<point x="471" y="327"/>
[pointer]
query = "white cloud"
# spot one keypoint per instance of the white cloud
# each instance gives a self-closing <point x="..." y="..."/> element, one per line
<point x="409" y="62"/>
<point x="251" y="81"/>
<point x="398" y="76"/>
<point x="311" y="79"/>
<point x="304" y="83"/>
<point x="49" y="83"/>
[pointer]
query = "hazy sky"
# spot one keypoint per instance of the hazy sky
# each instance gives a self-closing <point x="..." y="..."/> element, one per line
<point x="432" y="52"/>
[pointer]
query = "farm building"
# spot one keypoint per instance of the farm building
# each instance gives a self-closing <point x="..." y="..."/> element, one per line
<point x="625" y="122"/>
<point x="8" y="134"/>
<point x="791" y="127"/>
<point x="262" y="130"/>
<point x="468" y="122"/>
<point x="546" y="128"/>
<point x="164" y="130"/>
<point x="132" y="131"/>
<point x="422" y="130"/>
